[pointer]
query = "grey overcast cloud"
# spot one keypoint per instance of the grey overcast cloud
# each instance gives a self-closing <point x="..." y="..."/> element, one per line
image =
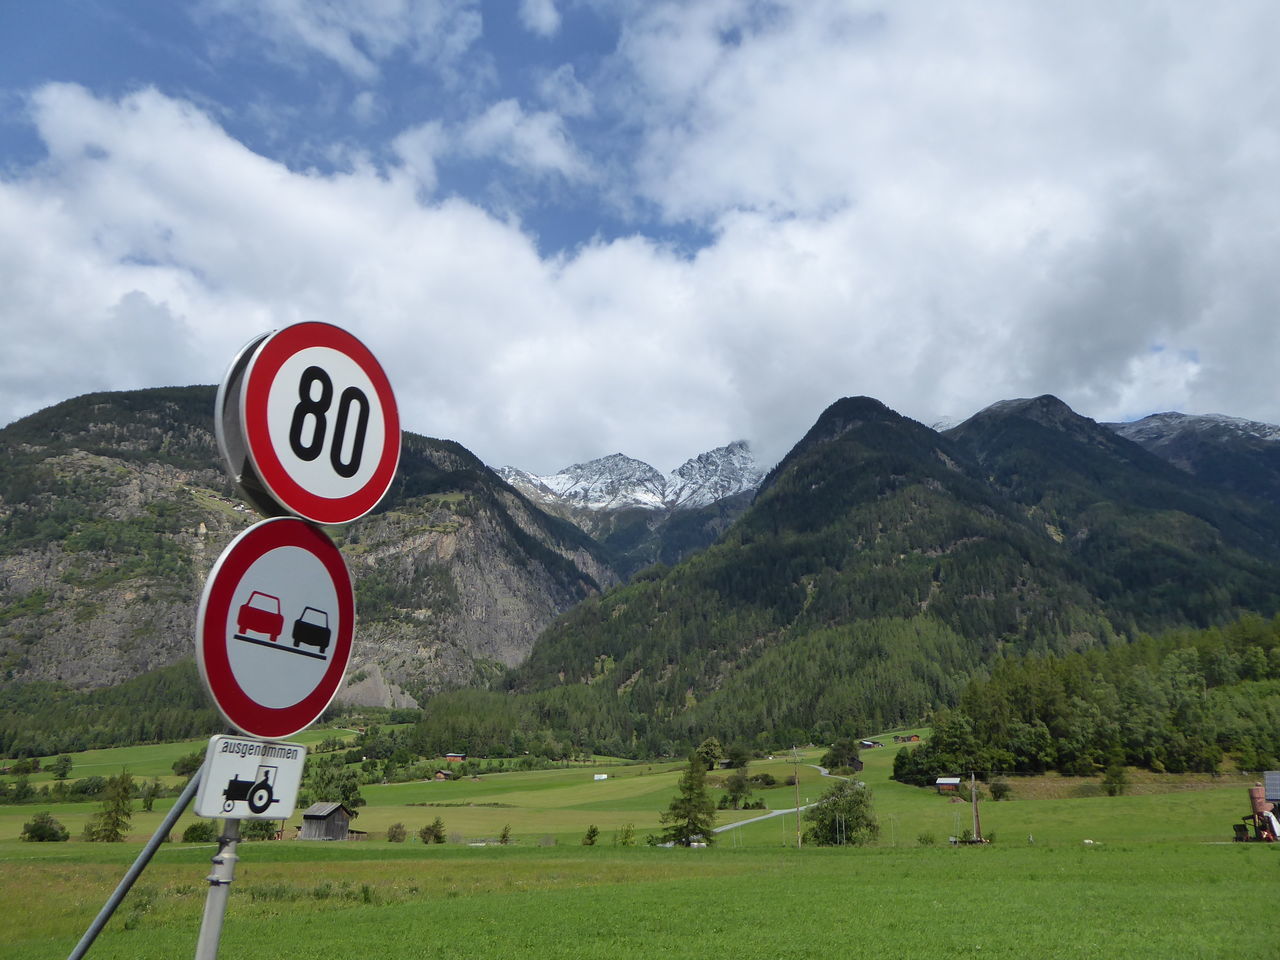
<point x="574" y="227"/>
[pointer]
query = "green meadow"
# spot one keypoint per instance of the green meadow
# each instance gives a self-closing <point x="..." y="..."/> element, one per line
<point x="1158" y="880"/>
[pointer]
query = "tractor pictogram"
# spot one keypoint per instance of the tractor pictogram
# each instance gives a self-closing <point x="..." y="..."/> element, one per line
<point x="257" y="793"/>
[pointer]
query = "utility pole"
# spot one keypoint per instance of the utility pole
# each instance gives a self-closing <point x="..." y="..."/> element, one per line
<point x="795" y="760"/>
<point x="973" y="799"/>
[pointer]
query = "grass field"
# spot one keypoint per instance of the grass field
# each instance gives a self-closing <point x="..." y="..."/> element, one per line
<point x="1157" y="882"/>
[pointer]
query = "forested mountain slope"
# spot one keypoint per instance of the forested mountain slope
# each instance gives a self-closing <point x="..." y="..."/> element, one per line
<point x="1154" y="544"/>
<point x="882" y="563"/>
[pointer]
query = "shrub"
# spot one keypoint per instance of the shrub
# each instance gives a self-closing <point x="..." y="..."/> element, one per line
<point x="258" y="829"/>
<point x="43" y="828"/>
<point x="926" y="839"/>
<point x="592" y="834"/>
<point x="202" y="831"/>
<point x="1000" y="789"/>
<point x="396" y="833"/>
<point x="188" y="764"/>
<point x="432" y="832"/>
<point x="1115" y="779"/>
<point x="844" y="815"/>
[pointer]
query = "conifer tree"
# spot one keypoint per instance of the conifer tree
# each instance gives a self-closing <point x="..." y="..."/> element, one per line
<point x="111" y="823"/>
<point x="692" y="813"/>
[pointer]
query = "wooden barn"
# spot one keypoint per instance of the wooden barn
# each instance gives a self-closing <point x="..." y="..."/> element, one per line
<point x="326" y="821"/>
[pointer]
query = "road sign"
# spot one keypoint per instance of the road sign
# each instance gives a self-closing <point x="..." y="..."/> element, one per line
<point x="250" y="779"/>
<point x="308" y="425"/>
<point x="274" y="628"/>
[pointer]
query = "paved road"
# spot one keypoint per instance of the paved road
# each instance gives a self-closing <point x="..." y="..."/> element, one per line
<point x="778" y="813"/>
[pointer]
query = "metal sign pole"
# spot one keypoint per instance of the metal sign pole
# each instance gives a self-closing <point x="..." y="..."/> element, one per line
<point x="139" y="865"/>
<point x="215" y="905"/>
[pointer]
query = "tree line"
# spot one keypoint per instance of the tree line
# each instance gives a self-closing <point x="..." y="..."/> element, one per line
<point x="1187" y="700"/>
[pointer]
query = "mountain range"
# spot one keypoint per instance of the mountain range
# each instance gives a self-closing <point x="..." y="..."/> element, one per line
<point x="620" y="482"/>
<point x="856" y="585"/>
<point x="640" y="517"/>
<point x="882" y="563"/>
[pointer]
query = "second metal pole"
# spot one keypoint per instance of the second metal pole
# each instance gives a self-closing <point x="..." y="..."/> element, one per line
<point x="215" y="905"/>
<point x="116" y="898"/>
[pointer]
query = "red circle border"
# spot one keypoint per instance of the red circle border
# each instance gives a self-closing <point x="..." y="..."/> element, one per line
<point x="236" y="706"/>
<point x="258" y="378"/>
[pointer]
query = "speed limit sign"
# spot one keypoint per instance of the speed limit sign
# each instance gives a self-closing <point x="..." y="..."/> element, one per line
<point x="307" y="423"/>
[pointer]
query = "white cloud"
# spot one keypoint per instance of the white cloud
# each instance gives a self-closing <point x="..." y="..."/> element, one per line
<point x="365" y="107"/>
<point x="417" y="149"/>
<point x="536" y="142"/>
<point x="562" y="90"/>
<point x="540" y="17"/>
<point x="940" y="206"/>
<point x="147" y="217"/>
<point x="1025" y="198"/>
<point x="358" y="35"/>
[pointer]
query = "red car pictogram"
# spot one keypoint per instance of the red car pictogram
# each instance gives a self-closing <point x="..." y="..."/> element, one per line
<point x="261" y="614"/>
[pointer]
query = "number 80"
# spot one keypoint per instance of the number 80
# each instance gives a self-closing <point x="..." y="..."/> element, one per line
<point x="318" y="408"/>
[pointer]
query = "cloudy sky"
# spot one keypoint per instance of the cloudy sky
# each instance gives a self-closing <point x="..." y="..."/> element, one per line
<point x="574" y="227"/>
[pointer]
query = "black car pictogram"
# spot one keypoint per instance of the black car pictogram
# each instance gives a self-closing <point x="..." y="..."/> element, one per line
<point x="312" y="628"/>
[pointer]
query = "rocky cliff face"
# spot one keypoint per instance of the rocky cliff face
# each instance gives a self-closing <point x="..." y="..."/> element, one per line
<point x="113" y="508"/>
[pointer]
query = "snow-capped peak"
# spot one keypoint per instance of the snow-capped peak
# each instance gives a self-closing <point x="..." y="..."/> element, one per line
<point x="1162" y="426"/>
<point x="618" y="481"/>
<point x="712" y="476"/>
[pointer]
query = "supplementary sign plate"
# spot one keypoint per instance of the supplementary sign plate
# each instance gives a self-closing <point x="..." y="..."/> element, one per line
<point x="250" y="779"/>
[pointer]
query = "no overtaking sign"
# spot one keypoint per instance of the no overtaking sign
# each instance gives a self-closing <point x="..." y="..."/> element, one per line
<point x="275" y="628"/>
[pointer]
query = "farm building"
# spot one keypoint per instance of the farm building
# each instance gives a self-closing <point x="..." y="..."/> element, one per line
<point x="869" y="744"/>
<point x="326" y="821"/>
<point x="455" y="757"/>
<point x="948" y="784"/>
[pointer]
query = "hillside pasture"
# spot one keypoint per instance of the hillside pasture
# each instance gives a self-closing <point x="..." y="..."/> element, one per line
<point x="1158" y="879"/>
